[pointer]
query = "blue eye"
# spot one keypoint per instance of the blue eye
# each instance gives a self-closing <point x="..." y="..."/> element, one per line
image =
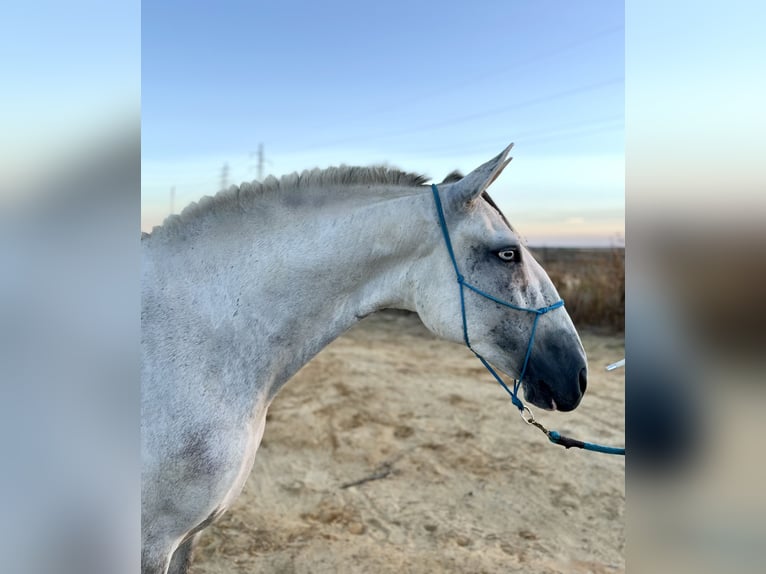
<point x="508" y="254"/>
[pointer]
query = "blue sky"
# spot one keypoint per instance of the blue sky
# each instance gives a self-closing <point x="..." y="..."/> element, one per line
<point x="71" y="73"/>
<point x="423" y="86"/>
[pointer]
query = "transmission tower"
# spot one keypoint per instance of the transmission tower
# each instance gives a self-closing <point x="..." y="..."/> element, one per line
<point x="260" y="162"/>
<point x="225" y="176"/>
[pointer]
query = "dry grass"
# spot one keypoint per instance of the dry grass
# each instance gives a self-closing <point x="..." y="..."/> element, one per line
<point x="591" y="282"/>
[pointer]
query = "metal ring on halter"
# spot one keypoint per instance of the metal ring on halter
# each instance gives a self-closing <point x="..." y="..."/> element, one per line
<point x="531" y="419"/>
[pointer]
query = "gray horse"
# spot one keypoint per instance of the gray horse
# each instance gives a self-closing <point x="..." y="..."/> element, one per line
<point x="243" y="289"/>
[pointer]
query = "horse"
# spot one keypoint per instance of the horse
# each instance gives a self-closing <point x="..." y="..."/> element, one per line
<point x="241" y="289"/>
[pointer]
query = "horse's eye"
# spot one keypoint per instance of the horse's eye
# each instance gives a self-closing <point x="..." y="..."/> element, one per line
<point x="509" y="254"/>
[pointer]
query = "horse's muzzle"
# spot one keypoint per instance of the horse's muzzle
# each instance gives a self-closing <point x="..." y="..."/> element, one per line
<point x="561" y="395"/>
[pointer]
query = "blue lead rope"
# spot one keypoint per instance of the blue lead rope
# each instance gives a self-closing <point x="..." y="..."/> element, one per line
<point x="553" y="436"/>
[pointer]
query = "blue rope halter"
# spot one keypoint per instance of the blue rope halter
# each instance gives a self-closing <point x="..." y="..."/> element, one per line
<point x="553" y="436"/>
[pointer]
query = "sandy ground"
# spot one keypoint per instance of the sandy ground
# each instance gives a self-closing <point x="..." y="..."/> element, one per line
<point x="465" y="485"/>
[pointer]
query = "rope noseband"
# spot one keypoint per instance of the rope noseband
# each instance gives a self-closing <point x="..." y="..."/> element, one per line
<point x="553" y="436"/>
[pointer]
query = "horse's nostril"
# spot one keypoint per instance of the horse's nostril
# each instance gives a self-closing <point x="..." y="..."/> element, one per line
<point x="583" y="380"/>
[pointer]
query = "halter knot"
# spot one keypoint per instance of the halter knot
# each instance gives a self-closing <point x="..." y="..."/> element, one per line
<point x="544" y="310"/>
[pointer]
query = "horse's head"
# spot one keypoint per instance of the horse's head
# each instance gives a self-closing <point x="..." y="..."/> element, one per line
<point x="491" y="257"/>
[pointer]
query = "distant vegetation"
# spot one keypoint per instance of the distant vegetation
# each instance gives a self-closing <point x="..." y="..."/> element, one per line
<point x="591" y="282"/>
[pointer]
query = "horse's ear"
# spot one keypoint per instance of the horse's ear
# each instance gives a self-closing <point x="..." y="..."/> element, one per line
<point x="475" y="183"/>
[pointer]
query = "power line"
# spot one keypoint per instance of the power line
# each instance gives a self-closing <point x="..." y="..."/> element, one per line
<point x="470" y="117"/>
<point x="553" y="133"/>
<point x="492" y="145"/>
<point x="473" y="80"/>
<point x="564" y="131"/>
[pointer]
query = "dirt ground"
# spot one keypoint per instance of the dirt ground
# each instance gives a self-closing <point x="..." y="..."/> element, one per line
<point x="459" y="482"/>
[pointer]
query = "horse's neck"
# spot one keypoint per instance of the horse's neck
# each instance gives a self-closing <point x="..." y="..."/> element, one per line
<point x="277" y="296"/>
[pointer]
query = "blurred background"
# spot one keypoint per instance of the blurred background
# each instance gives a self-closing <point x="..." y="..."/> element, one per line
<point x="696" y="269"/>
<point x="116" y="115"/>
<point x="69" y="274"/>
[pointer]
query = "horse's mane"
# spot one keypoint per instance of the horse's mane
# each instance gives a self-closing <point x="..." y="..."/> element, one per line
<point x="239" y="196"/>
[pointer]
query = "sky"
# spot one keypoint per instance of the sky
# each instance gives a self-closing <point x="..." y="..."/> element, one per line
<point x="423" y="86"/>
<point x="71" y="74"/>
